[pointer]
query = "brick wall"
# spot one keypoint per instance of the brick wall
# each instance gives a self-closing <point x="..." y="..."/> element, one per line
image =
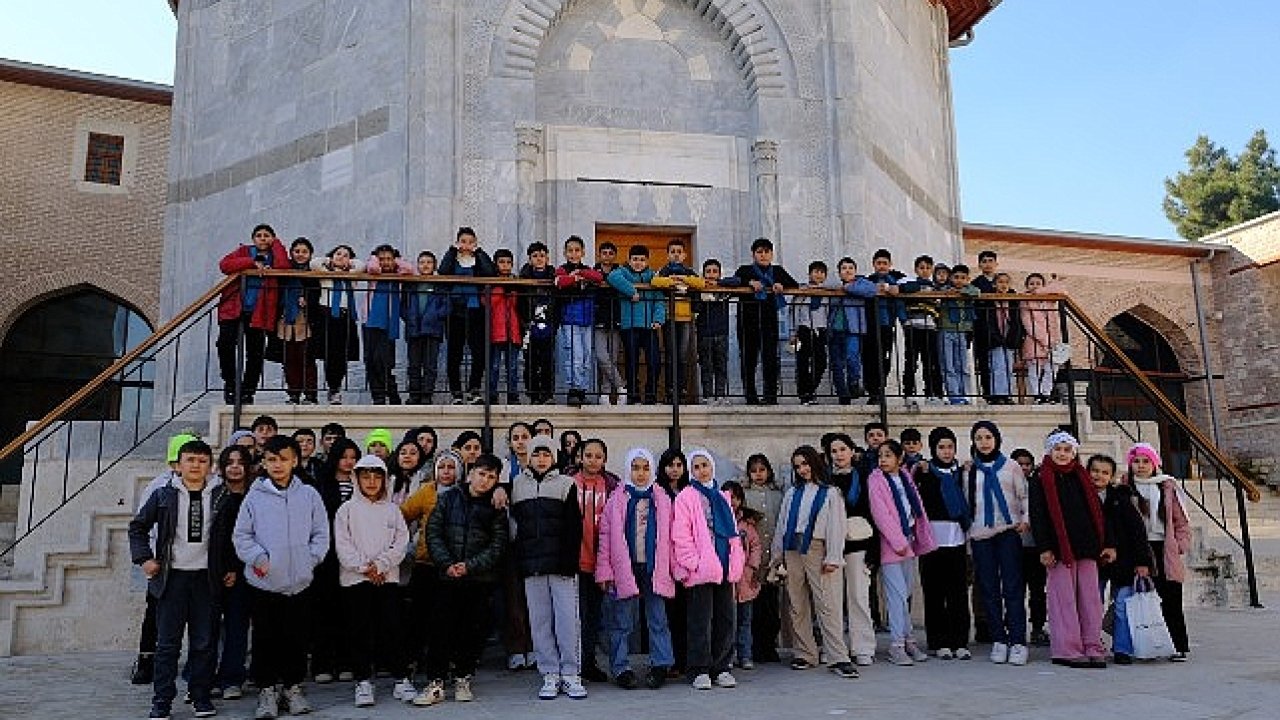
<point x="56" y="232"/>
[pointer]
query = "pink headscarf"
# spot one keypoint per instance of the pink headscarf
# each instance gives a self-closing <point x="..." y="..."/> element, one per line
<point x="1143" y="450"/>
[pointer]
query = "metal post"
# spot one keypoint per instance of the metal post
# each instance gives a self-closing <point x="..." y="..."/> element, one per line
<point x="1071" y="381"/>
<point x="673" y="384"/>
<point x="237" y="407"/>
<point x="880" y="368"/>
<point x="1247" y="544"/>
<point x="486" y="380"/>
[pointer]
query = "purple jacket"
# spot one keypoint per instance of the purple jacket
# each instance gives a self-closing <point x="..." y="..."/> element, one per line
<point x="613" y="555"/>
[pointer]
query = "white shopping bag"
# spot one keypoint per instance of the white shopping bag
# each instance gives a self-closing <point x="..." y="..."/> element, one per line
<point x="1150" y="635"/>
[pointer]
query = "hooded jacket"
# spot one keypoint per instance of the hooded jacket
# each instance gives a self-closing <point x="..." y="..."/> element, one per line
<point x="547" y="524"/>
<point x="466" y="528"/>
<point x="369" y="531"/>
<point x="639" y="314"/>
<point x="267" y="306"/>
<point x="287" y="527"/>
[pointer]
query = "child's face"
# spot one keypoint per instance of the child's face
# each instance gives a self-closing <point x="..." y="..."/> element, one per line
<point x="889" y="462"/>
<point x="573" y="252"/>
<point x="735" y="502"/>
<point x="984" y="441"/>
<point x="701" y="469"/>
<point x="470" y="450"/>
<point x="942" y="276"/>
<point x="1035" y="282"/>
<point x="987" y="265"/>
<point x="607" y="256"/>
<point x="959" y="279"/>
<point x="1142" y="466"/>
<point x="640" y="473"/>
<point x="882" y="265"/>
<point x="427" y="442"/>
<point x="505" y="264"/>
<point x="262" y="433"/>
<point x="235" y="471"/>
<point x="301" y="254"/>
<point x="467" y="244"/>
<point x="711" y="272"/>
<point x="802" y="468"/>
<point x="946" y="451"/>
<point x="541" y="460"/>
<point x="1062" y="454"/>
<point x="262" y="240"/>
<point x="538" y="259"/>
<point x="279" y="466"/>
<point x="1002" y="283"/>
<point x="817" y="276"/>
<point x="348" y="461"/>
<point x="1101" y="474"/>
<point x="848" y="271"/>
<point x="380" y="449"/>
<point x="408" y="456"/>
<point x="544" y="428"/>
<point x="447" y="472"/>
<point x="841" y="454"/>
<point x="307" y="444"/>
<point x="386" y="261"/>
<point x="674" y="469"/>
<point x="875" y="437"/>
<point x="426" y="265"/>
<point x="341" y="259"/>
<point x="519" y="440"/>
<point x="758" y="474"/>
<point x="676" y="254"/>
<point x="194" y="467"/>
<point x="763" y="256"/>
<point x="638" y="263"/>
<point x="593" y="459"/>
<point x="370" y="482"/>
<point x="481" y="480"/>
<point x="924" y="270"/>
<point x="912" y="447"/>
<point x="1027" y="464"/>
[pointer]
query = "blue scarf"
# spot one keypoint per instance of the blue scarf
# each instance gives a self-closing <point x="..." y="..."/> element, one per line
<point x="253" y="284"/>
<point x="723" y="524"/>
<point x="340" y="288"/>
<point x="952" y="495"/>
<point x="765" y="276"/>
<point x="793" y="516"/>
<point x="384" y="310"/>
<point x="992" y="493"/>
<point x="855" y="488"/>
<point x="634" y="496"/>
<point x="908" y="489"/>
<point x="292" y="292"/>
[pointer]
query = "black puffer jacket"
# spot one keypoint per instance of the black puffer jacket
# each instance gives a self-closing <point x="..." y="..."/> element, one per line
<point x="467" y="529"/>
<point x="1127" y="533"/>
<point x="548" y="524"/>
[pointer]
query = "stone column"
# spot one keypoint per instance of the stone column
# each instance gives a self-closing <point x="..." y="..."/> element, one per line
<point x="529" y="143"/>
<point x="764" y="156"/>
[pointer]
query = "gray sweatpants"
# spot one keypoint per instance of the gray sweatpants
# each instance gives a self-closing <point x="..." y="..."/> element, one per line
<point x="554" y="622"/>
<point x="606" y="344"/>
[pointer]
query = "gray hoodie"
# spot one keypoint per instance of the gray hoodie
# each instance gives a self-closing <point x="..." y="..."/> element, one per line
<point x="289" y="528"/>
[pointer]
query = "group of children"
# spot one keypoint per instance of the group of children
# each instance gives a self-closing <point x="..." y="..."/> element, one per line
<point x="341" y="559"/>
<point x="582" y="314"/>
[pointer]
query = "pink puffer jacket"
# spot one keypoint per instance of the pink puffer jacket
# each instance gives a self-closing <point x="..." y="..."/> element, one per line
<point x="694" y="560"/>
<point x="613" y="555"/>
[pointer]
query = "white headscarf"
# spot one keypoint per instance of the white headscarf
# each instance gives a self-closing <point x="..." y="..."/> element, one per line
<point x="1058" y="437"/>
<point x="639" y="452"/>
<point x="710" y="458"/>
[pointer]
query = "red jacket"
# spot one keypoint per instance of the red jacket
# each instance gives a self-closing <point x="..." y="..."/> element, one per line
<point x="267" y="309"/>
<point x="504" y="316"/>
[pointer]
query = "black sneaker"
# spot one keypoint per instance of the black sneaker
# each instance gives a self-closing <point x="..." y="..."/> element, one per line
<point x="1123" y="659"/>
<point x="513" y="398"/>
<point x="625" y="680"/>
<point x="1039" y="638"/>
<point x="656" y="677"/>
<point x="457" y="398"/>
<point x="144" y="670"/>
<point x="159" y="711"/>
<point x="576" y="399"/>
<point x="592" y="673"/>
<point x="845" y="670"/>
<point x="204" y="708"/>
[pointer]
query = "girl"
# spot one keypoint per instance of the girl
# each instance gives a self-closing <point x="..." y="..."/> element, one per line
<point x="633" y="567"/>
<point x="707" y="558"/>
<point x="904" y="534"/>
<point x="1001" y="323"/>
<point x="943" y="571"/>
<point x="748" y="588"/>
<point x="427" y="440"/>
<point x="1066" y="517"/>
<point x="336" y="336"/>
<point x="861" y="546"/>
<point x="1124" y="524"/>
<point x="409" y="471"/>
<point x="1043" y="330"/>
<point x="1033" y="573"/>
<point x="811" y="544"/>
<point x="1169" y="534"/>
<point x="469" y="447"/>
<point x="370" y="537"/>
<point x="673" y="476"/>
<point x="516" y="635"/>
<point x="249" y="308"/>
<point x="763" y="495"/>
<point x="567" y="458"/>
<point x="593" y="488"/>
<point x="998" y="514"/>
<point x="329" y="656"/>
<point x="298" y="298"/>
<point x="233" y="604"/>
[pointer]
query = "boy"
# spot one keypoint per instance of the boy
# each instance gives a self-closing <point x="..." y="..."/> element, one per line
<point x="577" y="316"/>
<point x="181" y="513"/>
<point x="504" y="331"/>
<point x="675" y="274"/>
<point x="537" y="310"/>
<point x="251" y="308"/>
<point x="758" y="320"/>
<point x="912" y="447"/>
<point x="809" y="336"/>
<point x="547" y="535"/>
<point x="921" y="332"/>
<point x="425" y="312"/>
<point x="642" y="314"/>
<point x="382" y="324"/>
<point x="877" y="351"/>
<point x="955" y="324"/>
<point x="847" y="319"/>
<point x="988" y="264"/>
<point x="466" y="536"/>
<point x="605" y="338"/>
<point x="711" y="318"/>
<point x="329" y="434"/>
<point x="308" y="464"/>
<point x="465" y="329"/>
<point x="281" y="534"/>
<point x="264" y="428"/>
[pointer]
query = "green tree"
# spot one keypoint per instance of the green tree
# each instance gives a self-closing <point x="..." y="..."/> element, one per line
<point x="1218" y="190"/>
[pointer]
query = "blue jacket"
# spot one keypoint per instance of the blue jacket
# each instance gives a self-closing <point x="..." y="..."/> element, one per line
<point x="160" y="511"/>
<point x="289" y="528"/>
<point x="424" y="309"/>
<point x="892" y="310"/>
<point x="650" y="309"/>
<point x="848" y="314"/>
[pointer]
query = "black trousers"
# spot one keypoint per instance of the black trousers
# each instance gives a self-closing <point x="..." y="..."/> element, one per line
<point x="766" y="624"/>
<point x="423" y="585"/>
<point x="811" y="360"/>
<point x="424" y="360"/>
<point x="1034" y="576"/>
<point x="254" y="344"/>
<point x="380" y="364"/>
<point x="540" y="368"/>
<point x="1170" y="600"/>
<point x="465" y="331"/>
<point x="677" y="621"/>
<point x="712" y="615"/>
<point x="327" y="622"/>
<point x="922" y="353"/>
<point x="946" y="598"/>
<point x="280" y="624"/>
<point x="374" y="629"/>
<point x="758" y="336"/>
<point x="458" y="626"/>
<point x="876" y="358"/>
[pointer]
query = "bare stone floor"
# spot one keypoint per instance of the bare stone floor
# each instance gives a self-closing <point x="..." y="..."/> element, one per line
<point x="1234" y="673"/>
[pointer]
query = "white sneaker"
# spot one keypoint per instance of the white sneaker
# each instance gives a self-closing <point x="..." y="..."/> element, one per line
<point x="364" y="694"/>
<point x="702" y="682"/>
<point x="726" y="680"/>
<point x="232" y="692"/>
<point x="550" y="687"/>
<point x="573" y="687"/>
<point x="404" y="690"/>
<point x="916" y="653"/>
<point x="963" y="654"/>
<point x="945" y="654"/>
<point x="530" y="661"/>
<point x="324" y="678"/>
<point x="298" y="704"/>
<point x="863" y="660"/>
<point x="999" y="653"/>
<point x="346" y="676"/>
<point x="1018" y="655"/>
<point x="515" y="662"/>
<point x="268" y="704"/>
<point x="335" y="398"/>
<point x="431" y="694"/>
<point x="462" y="689"/>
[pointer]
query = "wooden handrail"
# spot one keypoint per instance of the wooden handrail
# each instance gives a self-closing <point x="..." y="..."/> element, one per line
<point x="79" y="396"/>
<point x="1099" y="336"/>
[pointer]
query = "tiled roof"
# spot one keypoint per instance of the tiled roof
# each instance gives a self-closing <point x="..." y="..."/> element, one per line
<point x="964" y="14"/>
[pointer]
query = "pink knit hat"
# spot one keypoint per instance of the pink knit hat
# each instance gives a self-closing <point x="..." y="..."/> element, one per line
<point x="1143" y="450"/>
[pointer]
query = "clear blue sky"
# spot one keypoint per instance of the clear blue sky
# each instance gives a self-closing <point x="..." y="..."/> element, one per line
<point x="1069" y="113"/>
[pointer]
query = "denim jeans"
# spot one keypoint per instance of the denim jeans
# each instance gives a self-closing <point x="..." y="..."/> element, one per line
<point x="997" y="568"/>
<point x="846" y="362"/>
<point x="953" y="347"/>
<point x="744" y="641"/>
<point x="1000" y="365"/>
<point x="621" y="617"/>
<point x="187" y="603"/>
<point x="635" y="341"/>
<point x="507" y="354"/>
<point x="575" y="355"/>
<point x="1122" y="639"/>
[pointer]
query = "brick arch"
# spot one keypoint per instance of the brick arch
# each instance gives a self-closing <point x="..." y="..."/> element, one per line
<point x="755" y="42"/>
<point x="29" y="293"/>
<point x="1185" y="348"/>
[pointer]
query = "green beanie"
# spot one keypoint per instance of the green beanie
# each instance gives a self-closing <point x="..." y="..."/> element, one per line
<point x="381" y="435"/>
<point x="175" y="444"/>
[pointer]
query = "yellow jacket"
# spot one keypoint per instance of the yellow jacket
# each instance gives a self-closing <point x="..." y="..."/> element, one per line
<point x="419" y="507"/>
<point x="684" y="307"/>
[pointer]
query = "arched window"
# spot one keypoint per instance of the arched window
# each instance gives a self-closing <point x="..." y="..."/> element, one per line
<point x="55" y="347"/>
